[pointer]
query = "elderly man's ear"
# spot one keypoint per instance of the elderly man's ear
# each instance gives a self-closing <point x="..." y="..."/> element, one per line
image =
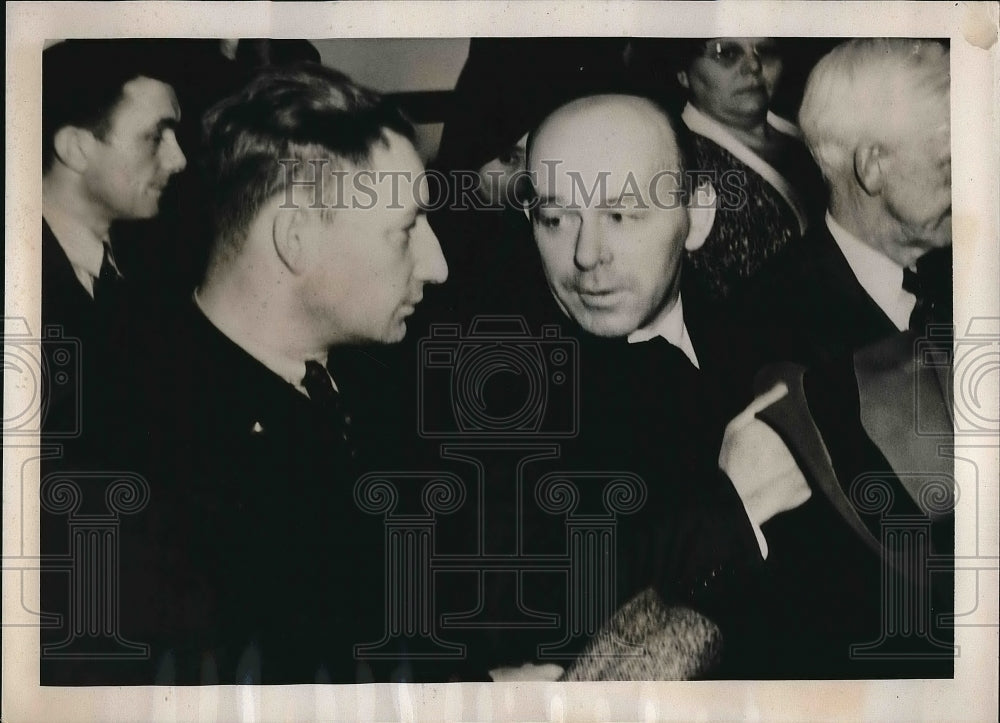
<point x="869" y="168"/>
<point x="72" y="147"/>
<point x="701" y="215"/>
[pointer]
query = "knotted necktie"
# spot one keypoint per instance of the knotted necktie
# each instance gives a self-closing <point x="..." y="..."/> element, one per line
<point x="319" y="386"/>
<point x="108" y="279"/>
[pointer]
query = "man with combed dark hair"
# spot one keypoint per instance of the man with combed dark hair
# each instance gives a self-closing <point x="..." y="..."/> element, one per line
<point x="108" y="152"/>
<point x="247" y="413"/>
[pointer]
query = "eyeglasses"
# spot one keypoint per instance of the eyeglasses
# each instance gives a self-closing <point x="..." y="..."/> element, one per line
<point x="729" y="53"/>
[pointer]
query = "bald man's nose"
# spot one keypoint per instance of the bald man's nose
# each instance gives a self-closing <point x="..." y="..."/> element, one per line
<point x="591" y="244"/>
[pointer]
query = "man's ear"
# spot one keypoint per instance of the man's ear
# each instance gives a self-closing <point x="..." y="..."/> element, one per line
<point x="72" y="147"/>
<point x="682" y="78"/>
<point x="701" y="215"/>
<point x="869" y="168"/>
<point x="289" y="237"/>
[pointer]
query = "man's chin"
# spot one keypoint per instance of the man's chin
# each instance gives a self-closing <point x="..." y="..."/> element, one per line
<point x="605" y="325"/>
<point x="145" y="213"/>
<point x="396" y="334"/>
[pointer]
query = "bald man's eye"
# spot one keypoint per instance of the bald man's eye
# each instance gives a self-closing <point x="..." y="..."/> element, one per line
<point x="622" y="217"/>
<point x="548" y="221"/>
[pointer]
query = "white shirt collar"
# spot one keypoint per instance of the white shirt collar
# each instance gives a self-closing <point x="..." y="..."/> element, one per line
<point x="879" y="276"/>
<point x="83" y="247"/>
<point x="670" y="325"/>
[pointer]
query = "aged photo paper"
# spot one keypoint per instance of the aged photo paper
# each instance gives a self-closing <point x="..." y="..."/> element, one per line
<point x="443" y="29"/>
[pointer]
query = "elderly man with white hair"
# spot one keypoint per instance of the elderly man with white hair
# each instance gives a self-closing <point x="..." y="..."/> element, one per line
<point x="848" y="306"/>
<point x="876" y="116"/>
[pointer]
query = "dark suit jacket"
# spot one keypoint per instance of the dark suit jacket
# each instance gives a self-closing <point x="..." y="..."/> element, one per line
<point x="90" y="329"/>
<point x="642" y="409"/>
<point x="251" y="560"/>
<point x="822" y="591"/>
<point x="65" y="303"/>
<point x="808" y="307"/>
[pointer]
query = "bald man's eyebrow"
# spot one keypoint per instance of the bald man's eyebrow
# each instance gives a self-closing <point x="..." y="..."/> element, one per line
<point x="624" y="200"/>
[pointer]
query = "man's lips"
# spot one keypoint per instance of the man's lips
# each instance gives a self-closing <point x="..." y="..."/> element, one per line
<point x="598" y="298"/>
<point x="410" y="306"/>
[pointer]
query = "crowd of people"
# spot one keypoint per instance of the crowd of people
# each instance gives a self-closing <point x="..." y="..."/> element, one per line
<point x="618" y="409"/>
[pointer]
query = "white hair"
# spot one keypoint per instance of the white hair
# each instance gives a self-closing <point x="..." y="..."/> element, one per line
<point x="871" y="90"/>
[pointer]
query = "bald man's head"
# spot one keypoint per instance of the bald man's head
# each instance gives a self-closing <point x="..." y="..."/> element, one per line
<point x="609" y="123"/>
<point x="612" y="218"/>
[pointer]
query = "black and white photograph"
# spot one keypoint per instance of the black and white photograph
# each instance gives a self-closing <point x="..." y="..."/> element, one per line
<point x="489" y="361"/>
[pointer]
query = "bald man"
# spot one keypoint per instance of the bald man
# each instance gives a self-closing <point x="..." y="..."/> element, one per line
<point x="612" y="218"/>
<point x="614" y="214"/>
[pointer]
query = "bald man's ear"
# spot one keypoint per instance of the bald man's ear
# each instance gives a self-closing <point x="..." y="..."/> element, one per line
<point x="682" y="78"/>
<point x="72" y="147"/>
<point x="701" y="214"/>
<point x="869" y="162"/>
<point x="288" y="237"/>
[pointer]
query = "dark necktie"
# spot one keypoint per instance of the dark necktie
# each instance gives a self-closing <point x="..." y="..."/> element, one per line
<point x="923" y="309"/>
<point x="108" y="279"/>
<point x="319" y="386"/>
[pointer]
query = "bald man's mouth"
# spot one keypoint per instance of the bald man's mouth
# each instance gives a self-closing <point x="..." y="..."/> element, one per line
<point x="599" y="298"/>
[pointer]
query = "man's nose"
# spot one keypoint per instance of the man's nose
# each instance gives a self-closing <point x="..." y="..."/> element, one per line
<point x="591" y="244"/>
<point x="751" y="61"/>
<point x="431" y="268"/>
<point x="173" y="157"/>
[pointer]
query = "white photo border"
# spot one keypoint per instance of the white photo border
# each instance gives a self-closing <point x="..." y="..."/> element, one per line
<point x="972" y="28"/>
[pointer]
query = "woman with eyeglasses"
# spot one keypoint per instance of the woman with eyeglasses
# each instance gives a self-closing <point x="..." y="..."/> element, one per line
<point x="769" y="189"/>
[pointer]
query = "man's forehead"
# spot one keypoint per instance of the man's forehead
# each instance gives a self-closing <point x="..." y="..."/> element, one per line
<point x="629" y="132"/>
<point x="148" y="96"/>
<point x="623" y="168"/>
